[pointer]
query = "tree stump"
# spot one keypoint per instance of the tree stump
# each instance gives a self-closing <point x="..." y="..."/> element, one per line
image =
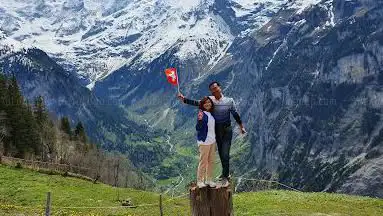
<point x="211" y="201"/>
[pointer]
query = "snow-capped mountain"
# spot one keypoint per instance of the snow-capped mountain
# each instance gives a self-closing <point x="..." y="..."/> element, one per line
<point x="95" y="37"/>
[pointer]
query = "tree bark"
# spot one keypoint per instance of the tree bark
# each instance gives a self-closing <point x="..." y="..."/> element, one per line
<point x="211" y="201"/>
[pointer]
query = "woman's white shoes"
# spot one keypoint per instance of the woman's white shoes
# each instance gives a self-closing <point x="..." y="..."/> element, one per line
<point x="201" y="184"/>
<point x="211" y="184"/>
<point x="207" y="183"/>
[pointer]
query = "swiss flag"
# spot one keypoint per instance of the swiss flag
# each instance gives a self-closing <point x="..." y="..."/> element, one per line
<point x="171" y="75"/>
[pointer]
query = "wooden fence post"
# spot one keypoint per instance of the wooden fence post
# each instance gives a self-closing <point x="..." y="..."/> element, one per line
<point x="211" y="201"/>
<point x="48" y="205"/>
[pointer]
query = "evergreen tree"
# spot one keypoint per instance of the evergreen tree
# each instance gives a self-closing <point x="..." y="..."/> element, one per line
<point x="81" y="139"/>
<point x="3" y="126"/>
<point x="15" y="119"/>
<point x="3" y="92"/>
<point x="80" y="133"/>
<point x="4" y="143"/>
<point x="24" y="137"/>
<point x="65" y="126"/>
<point x="15" y="97"/>
<point x="40" y="111"/>
<point x="31" y="139"/>
<point x="44" y="136"/>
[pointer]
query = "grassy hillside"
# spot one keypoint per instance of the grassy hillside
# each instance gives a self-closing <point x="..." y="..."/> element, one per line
<point x="24" y="191"/>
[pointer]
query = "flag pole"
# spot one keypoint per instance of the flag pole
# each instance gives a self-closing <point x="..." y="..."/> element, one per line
<point x="178" y="82"/>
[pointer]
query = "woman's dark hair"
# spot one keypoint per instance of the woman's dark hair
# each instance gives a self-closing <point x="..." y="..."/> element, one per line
<point x="203" y="101"/>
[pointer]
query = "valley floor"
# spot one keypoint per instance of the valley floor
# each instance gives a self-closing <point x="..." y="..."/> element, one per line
<point x="23" y="192"/>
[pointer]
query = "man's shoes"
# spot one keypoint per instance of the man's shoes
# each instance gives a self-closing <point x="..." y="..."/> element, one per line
<point x="211" y="184"/>
<point x="201" y="184"/>
<point x="219" y="178"/>
<point x="224" y="182"/>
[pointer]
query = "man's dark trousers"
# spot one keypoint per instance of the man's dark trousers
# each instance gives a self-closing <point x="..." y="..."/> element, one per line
<point x="224" y="134"/>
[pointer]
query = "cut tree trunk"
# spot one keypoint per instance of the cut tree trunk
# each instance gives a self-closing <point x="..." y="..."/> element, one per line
<point x="211" y="201"/>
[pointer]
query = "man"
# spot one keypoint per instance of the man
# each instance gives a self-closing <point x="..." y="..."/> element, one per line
<point x="224" y="133"/>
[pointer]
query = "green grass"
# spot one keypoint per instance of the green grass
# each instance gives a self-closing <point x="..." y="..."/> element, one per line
<point x="24" y="192"/>
<point x="302" y="204"/>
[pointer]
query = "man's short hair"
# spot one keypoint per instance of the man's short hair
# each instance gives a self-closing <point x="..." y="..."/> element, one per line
<point x="214" y="82"/>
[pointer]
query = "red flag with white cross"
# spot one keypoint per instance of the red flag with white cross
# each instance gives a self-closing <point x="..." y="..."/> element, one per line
<point x="171" y="75"/>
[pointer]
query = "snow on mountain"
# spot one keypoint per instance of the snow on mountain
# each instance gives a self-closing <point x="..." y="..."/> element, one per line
<point x="254" y="14"/>
<point x="96" y="37"/>
<point x="301" y="5"/>
<point x="10" y="45"/>
<point x="249" y="7"/>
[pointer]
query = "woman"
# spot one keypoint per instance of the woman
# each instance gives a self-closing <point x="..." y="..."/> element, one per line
<point x="206" y="143"/>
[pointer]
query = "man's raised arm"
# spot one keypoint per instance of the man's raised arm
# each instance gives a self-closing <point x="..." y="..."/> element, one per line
<point x="234" y="112"/>
<point x="182" y="98"/>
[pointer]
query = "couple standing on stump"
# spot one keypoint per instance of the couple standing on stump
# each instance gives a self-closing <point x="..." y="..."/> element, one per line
<point x="214" y="128"/>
